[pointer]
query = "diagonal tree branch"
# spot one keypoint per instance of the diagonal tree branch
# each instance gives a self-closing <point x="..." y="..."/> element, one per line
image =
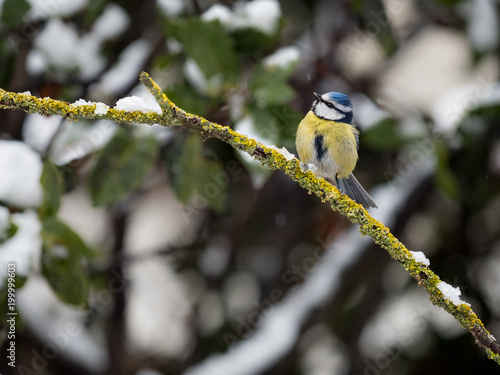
<point x="274" y="159"/>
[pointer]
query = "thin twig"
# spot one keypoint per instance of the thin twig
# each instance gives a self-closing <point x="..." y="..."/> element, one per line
<point x="53" y="137"/>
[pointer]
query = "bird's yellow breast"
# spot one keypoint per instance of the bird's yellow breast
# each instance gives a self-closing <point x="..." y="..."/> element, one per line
<point x="339" y="144"/>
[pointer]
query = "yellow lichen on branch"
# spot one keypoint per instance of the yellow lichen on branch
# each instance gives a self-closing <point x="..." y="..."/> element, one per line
<point x="70" y="111"/>
<point x="175" y="116"/>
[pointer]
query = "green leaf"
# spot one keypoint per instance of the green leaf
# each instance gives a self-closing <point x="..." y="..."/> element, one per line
<point x="93" y="10"/>
<point x="66" y="277"/>
<point x="269" y="85"/>
<point x="375" y="20"/>
<point x="55" y="232"/>
<point x="52" y="184"/>
<point x="447" y="182"/>
<point x="63" y="261"/>
<point x="209" y="45"/>
<point x="196" y="177"/>
<point x="188" y="99"/>
<point x="383" y="136"/>
<point x="9" y="232"/>
<point x="489" y="112"/>
<point x="121" y="167"/>
<point x="13" y="12"/>
<point x="278" y="124"/>
<point x="7" y="57"/>
<point x="444" y="177"/>
<point x="252" y="41"/>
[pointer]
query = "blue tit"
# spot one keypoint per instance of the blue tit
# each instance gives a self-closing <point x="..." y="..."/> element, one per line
<point x="328" y="139"/>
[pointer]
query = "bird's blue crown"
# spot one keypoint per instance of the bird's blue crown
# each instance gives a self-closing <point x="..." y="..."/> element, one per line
<point x="340" y="98"/>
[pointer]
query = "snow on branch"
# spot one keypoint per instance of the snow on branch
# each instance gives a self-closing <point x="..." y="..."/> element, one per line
<point x="275" y="159"/>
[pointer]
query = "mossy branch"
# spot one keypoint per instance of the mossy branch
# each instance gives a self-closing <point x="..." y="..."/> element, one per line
<point x="174" y="116"/>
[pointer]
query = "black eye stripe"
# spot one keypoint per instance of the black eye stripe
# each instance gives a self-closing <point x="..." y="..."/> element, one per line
<point x="330" y="105"/>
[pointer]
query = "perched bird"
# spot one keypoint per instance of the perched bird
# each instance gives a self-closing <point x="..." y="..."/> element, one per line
<point x="327" y="142"/>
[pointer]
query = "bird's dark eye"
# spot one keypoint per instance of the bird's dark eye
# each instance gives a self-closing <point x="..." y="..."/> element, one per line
<point x="329" y="105"/>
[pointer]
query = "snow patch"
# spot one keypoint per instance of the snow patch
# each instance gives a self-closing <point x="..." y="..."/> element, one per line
<point x="135" y="103"/>
<point x="43" y="9"/>
<point x="451" y="293"/>
<point x="262" y="15"/>
<point x="111" y="23"/>
<point x="47" y="316"/>
<point x="482" y="24"/>
<point x="450" y="109"/>
<point x="197" y="79"/>
<point x="283" y="57"/>
<point x="74" y="142"/>
<point x="124" y="73"/>
<point x="420" y="257"/>
<point x="171" y="7"/>
<point x="38" y="130"/>
<point x="57" y="43"/>
<point x="100" y="108"/>
<point x="283" y="151"/>
<point x="20" y="168"/>
<point x="24" y="248"/>
<point x="220" y="13"/>
<point x="60" y="45"/>
<point x="81" y="102"/>
<point x="367" y="113"/>
<point x="246" y="126"/>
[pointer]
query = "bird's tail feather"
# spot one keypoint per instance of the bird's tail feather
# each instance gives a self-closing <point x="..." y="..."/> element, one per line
<point x="355" y="191"/>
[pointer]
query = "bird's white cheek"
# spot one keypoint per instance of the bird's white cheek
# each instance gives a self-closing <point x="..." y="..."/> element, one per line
<point x="327" y="113"/>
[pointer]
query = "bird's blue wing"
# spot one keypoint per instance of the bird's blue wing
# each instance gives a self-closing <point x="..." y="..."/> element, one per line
<point x="356" y="135"/>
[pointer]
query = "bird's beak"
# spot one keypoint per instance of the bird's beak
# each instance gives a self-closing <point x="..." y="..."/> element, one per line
<point x="318" y="96"/>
